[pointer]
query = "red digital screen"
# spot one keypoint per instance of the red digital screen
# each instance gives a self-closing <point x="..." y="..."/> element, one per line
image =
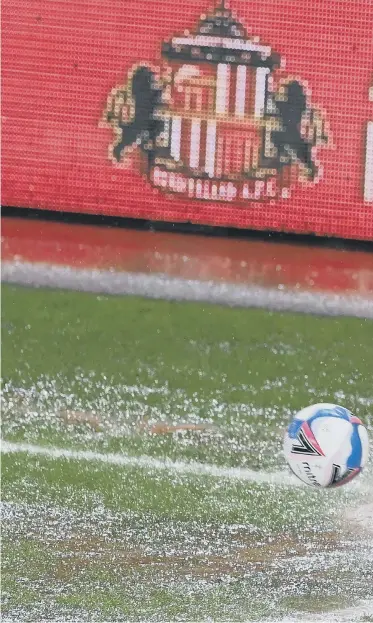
<point x="253" y="114"/>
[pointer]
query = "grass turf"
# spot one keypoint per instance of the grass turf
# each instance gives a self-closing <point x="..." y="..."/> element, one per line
<point x="130" y="543"/>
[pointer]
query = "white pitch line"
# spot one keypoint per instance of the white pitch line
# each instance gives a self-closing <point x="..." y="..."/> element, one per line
<point x="148" y="462"/>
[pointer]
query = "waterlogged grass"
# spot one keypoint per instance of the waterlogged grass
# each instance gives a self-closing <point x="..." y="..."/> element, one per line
<point x="183" y="346"/>
<point x="123" y="593"/>
<point x="172" y="495"/>
<point x="132" y="544"/>
<point x="187" y="382"/>
<point x="135" y="363"/>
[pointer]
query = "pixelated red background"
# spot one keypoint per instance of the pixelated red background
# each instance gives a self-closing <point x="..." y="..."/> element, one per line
<point x="61" y="59"/>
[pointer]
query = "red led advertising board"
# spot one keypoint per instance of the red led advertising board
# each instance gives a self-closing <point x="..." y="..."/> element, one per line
<point x="254" y="114"/>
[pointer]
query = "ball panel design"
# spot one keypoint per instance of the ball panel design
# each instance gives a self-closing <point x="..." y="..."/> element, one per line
<point x="325" y="445"/>
<point x="363" y="434"/>
<point x="331" y="433"/>
<point x="308" y="412"/>
<point x="294" y="427"/>
<point x="354" y="460"/>
<point x="355" y="420"/>
<point x="335" y="412"/>
<point x="312" y="443"/>
<point x="339" y="479"/>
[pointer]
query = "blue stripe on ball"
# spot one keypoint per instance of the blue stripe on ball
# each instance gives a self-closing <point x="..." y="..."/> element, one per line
<point x="338" y="412"/>
<point x="354" y="460"/>
<point x="294" y="428"/>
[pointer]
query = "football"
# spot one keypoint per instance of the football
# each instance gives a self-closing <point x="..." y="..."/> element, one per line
<point x="326" y="445"/>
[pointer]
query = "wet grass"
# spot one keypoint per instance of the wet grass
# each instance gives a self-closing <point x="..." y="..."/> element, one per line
<point x="171" y="495"/>
<point x="128" y="544"/>
<point x="88" y="540"/>
<point x="134" y="363"/>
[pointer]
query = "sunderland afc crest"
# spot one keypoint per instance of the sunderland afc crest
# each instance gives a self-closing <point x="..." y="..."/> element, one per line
<point x="214" y="122"/>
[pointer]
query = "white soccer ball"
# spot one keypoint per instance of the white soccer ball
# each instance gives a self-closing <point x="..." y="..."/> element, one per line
<point x="326" y="446"/>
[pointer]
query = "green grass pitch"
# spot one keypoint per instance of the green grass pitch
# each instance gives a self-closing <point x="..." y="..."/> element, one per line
<point x="93" y="541"/>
